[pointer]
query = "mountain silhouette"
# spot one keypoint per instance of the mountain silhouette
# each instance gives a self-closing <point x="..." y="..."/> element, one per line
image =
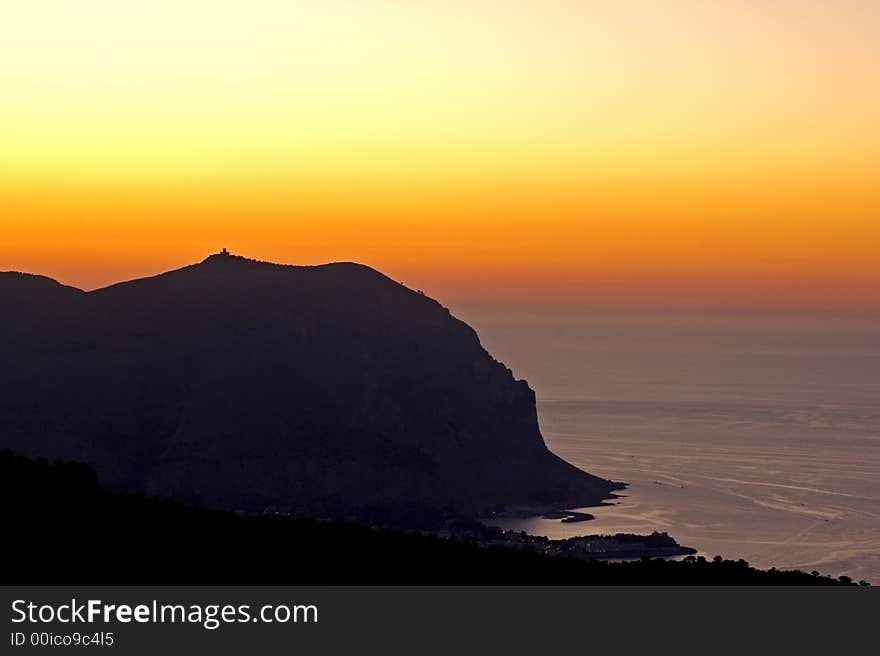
<point x="235" y="383"/>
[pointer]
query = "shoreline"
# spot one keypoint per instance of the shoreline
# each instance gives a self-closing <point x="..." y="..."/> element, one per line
<point x="617" y="546"/>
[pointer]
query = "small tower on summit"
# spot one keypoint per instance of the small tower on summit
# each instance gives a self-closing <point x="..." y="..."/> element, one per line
<point x="224" y="253"/>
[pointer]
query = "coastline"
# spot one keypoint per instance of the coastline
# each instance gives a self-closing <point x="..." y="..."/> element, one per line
<point x="618" y="546"/>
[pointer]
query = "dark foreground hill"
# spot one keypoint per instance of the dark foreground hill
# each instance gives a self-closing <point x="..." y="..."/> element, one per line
<point x="60" y="528"/>
<point x="239" y="384"/>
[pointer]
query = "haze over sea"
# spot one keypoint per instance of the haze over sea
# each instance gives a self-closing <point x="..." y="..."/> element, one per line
<point x="748" y="436"/>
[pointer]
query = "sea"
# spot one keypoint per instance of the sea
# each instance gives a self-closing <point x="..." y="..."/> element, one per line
<point x="752" y="436"/>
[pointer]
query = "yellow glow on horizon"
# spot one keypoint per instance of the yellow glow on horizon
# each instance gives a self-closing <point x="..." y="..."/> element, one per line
<point x="514" y="151"/>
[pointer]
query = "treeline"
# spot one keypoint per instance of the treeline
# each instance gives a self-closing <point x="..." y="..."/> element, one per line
<point x="61" y="528"/>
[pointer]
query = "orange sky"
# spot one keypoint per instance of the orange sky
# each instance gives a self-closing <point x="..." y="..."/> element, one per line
<point x="628" y="153"/>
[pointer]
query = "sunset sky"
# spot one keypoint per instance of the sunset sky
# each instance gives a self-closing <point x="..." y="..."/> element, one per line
<point x="626" y="152"/>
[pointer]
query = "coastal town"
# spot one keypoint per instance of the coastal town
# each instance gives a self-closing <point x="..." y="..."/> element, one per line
<point x="620" y="546"/>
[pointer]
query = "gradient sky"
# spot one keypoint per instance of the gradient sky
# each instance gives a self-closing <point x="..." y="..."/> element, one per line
<point x="624" y="152"/>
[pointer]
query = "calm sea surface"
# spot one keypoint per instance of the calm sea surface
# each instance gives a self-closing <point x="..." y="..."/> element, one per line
<point x="746" y="436"/>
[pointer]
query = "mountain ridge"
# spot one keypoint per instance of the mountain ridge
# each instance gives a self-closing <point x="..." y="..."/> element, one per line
<point x="237" y="383"/>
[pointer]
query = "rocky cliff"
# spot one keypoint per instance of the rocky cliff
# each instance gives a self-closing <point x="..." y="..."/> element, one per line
<point x="239" y="384"/>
